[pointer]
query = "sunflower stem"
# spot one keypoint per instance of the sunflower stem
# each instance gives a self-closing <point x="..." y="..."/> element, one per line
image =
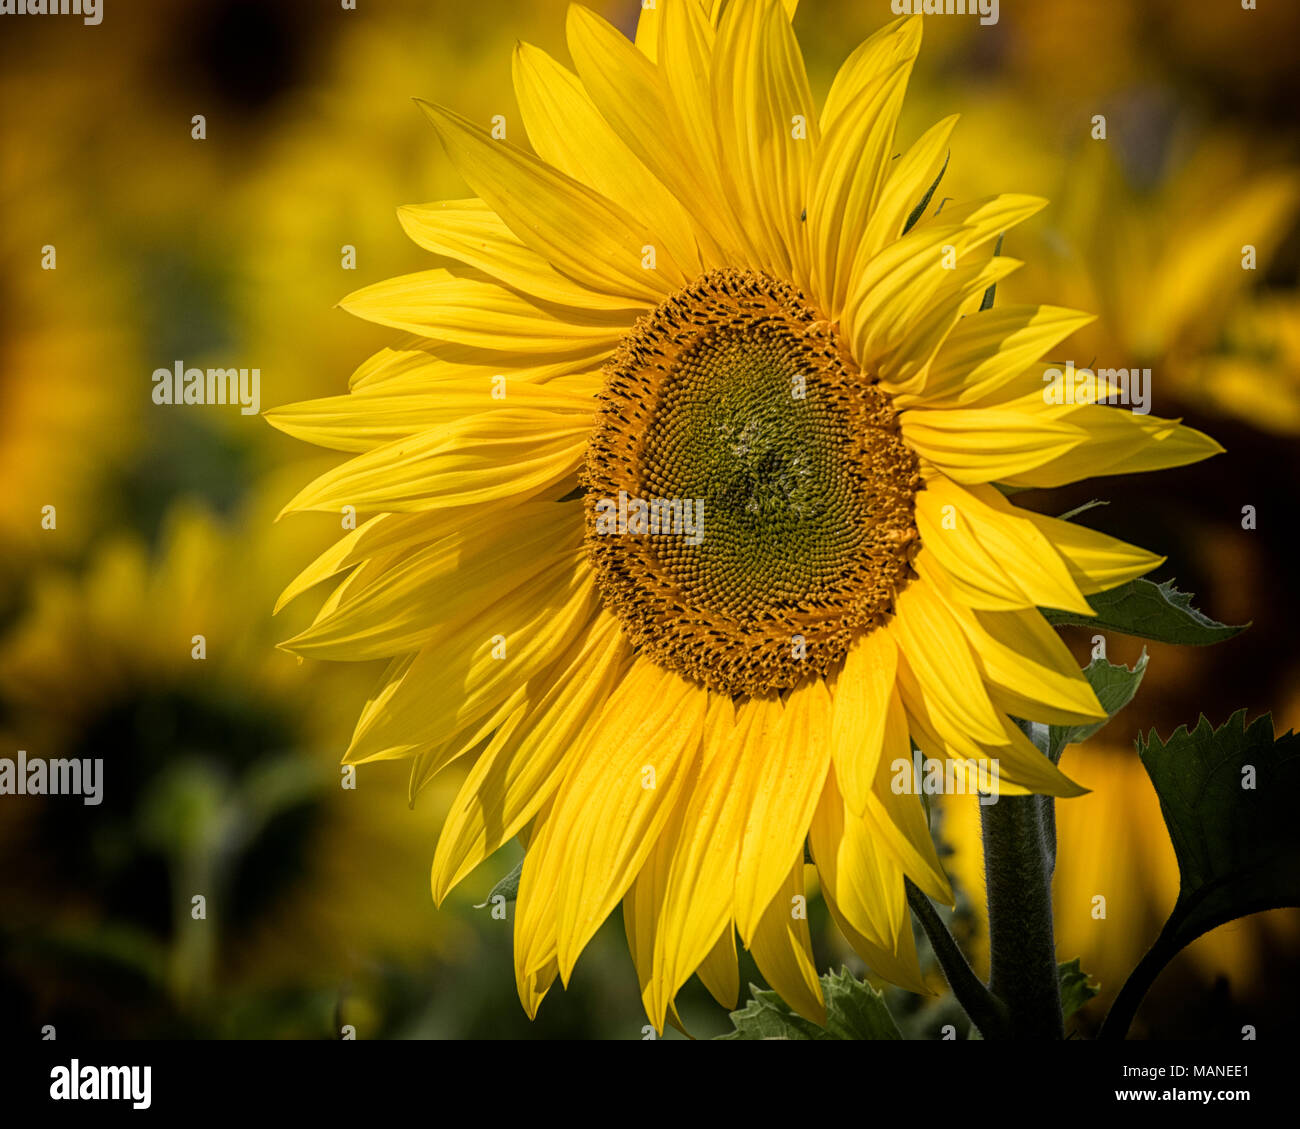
<point x="985" y="1010"/>
<point x="1019" y="857"/>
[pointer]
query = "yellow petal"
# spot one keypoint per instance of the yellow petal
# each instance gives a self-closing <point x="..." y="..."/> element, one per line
<point x="576" y="230"/>
<point x="686" y="65"/>
<point x="381" y="534"/>
<point x="460" y="676"/>
<point x="420" y="365"/>
<point x="938" y="670"/>
<point x="1192" y="278"/>
<point x="361" y="422"/>
<point x="892" y="292"/>
<point x="849" y="171"/>
<point x="494" y="455"/>
<point x="479" y="313"/>
<point x="469" y="231"/>
<point x="1096" y="561"/>
<point x="782" y="949"/>
<point x="787" y="780"/>
<point x="632" y="97"/>
<point x="346" y="423"/>
<point x="700" y="888"/>
<point x="910" y="178"/>
<point x="987" y="218"/>
<point x="854" y="870"/>
<point x="767" y="131"/>
<point x="898" y="962"/>
<point x="897" y="819"/>
<point x="440" y="586"/>
<point x="978" y="445"/>
<point x="720" y="972"/>
<point x="468" y="741"/>
<point x="536" y="966"/>
<point x="1021" y="768"/>
<point x="1118" y="442"/>
<point x="903" y="367"/>
<point x="862" y="699"/>
<point x="993" y="556"/>
<point x="648" y="25"/>
<point x="907" y="298"/>
<point x="618" y="795"/>
<point x="516" y="775"/>
<point x="567" y="131"/>
<point x="642" y="916"/>
<point x="1029" y="671"/>
<point x="894" y="45"/>
<point x="988" y="351"/>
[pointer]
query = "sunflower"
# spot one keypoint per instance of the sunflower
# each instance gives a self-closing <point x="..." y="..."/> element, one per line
<point x="699" y="290"/>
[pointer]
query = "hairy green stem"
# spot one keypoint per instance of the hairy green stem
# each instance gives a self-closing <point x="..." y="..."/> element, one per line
<point x="984" y="1009"/>
<point x="1019" y="853"/>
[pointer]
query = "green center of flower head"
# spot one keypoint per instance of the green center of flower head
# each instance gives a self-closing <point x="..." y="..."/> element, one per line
<point x="749" y="497"/>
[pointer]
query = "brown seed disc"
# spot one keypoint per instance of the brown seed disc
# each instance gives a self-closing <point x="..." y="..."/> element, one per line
<point x="749" y="498"/>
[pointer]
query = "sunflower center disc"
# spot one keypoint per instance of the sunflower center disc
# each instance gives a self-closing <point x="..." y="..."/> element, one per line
<point x="749" y="497"/>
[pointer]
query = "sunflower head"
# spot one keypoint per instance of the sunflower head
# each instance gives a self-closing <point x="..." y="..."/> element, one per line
<point x="684" y="519"/>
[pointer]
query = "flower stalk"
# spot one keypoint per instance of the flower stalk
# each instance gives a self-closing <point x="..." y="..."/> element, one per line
<point x="986" y="1011"/>
<point x="1019" y="851"/>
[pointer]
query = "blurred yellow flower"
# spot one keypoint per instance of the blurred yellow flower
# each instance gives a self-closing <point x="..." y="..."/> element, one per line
<point x="66" y="324"/>
<point x="1170" y="258"/>
<point x="1254" y="372"/>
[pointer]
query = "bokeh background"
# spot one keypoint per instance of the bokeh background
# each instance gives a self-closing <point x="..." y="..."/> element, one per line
<point x="222" y="773"/>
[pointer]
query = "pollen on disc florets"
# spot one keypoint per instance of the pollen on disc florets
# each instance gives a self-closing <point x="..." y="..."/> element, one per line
<point x="749" y="498"/>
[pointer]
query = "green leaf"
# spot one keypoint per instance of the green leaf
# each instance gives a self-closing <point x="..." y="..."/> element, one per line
<point x="767" y="1017"/>
<point x="1114" y="687"/>
<point x="1075" y="988"/>
<point x="919" y="210"/>
<point x="508" y="887"/>
<point x="1149" y="611"/>
<point x="1228" y="799"/>
<point x="854" y="1010"/>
